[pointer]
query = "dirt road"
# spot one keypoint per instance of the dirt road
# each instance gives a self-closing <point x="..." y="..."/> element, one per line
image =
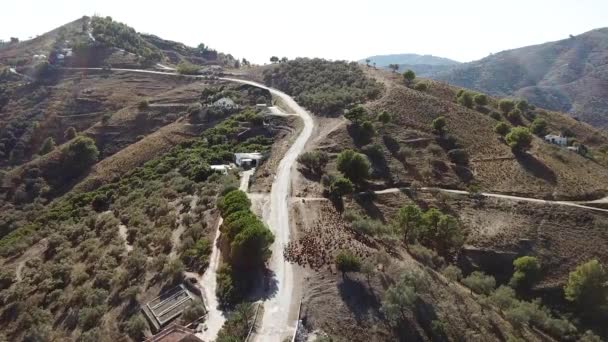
<point x="280" y="310"/>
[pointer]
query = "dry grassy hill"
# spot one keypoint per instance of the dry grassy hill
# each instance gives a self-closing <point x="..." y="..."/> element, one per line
<point x="569" y="75"/>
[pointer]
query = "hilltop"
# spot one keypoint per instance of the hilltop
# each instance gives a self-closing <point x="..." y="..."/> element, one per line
<point x="422" y="65"/>
<point x="569" y="75"/>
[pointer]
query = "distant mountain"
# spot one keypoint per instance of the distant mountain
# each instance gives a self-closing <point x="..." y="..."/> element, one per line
<point x="409" y="59"/>
<point x="569" y="75"/>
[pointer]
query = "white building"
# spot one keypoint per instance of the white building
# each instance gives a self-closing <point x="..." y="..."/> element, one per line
<point x="246" y="160"/>
<point x="225" y="102"/>
<point x="556" y="139"/>
<point x="223" y="169"/>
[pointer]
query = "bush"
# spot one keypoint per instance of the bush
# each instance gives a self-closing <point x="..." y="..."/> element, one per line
<point x="347" y="262"/>
<point x="439" y="125"/>
<point x="135" y="327"/>
<point x="194" y="311"/>
<point x="143" y="105"/>
<point x="409" y="76"/>
<point x="480" y="283"/>
<point x="186" y="68"/>
<point x="459" y="156"/>
<point x="79" y="155"/>
<point x="502" y="128"/>
<point x="539" y="127"/>
<point x="495" y="115"/>
<point x="421" y="86"/>
<point x="527" y="272"/>
<point x="514" y="116"/>
<point x="340" y="187"/>
<point x="47" y="146"/>
<point x="503" y="297"/>
<point x="506" y="106"/>
<point x="426" y="256"/>
<point x="401" y="298"/>
<point x="452" y="272"/>
<point x="519" y="139"/>
<point x="522" y="105"/>
<point x="586" y="287"/>
<point x="480" y="99"/>
<point x="353" y="165"/>
<point x="70" y="133"/>
<point x="374" y="152"/>
<point x="465" y="99"/>
<point x="384" y="117"/>
<point x="314" y="161"/>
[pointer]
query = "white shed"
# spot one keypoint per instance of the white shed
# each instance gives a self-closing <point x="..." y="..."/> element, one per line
<point x="556" y="139"/>
<point x="247" y="159"/>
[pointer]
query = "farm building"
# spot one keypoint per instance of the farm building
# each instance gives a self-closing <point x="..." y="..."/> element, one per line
<point x="246" y="160"/>
<point x="556" y="139"/>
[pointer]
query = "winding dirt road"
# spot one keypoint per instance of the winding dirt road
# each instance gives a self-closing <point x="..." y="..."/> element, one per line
<point x="279" y="320"/>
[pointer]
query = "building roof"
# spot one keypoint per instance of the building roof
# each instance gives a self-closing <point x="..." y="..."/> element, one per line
<point x="252" y="155"/>
<point x="168" y="306"/>
<point x="175" y="333"/>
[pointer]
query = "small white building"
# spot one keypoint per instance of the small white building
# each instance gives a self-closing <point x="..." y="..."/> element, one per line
<point x="223" y="169"/>
<point x="556" y="139"/>
<point x="246" y="160"/>
<point x="226" y="103"/>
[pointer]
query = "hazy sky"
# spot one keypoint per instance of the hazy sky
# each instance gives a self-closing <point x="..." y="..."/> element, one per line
<point x="463" y="30"/>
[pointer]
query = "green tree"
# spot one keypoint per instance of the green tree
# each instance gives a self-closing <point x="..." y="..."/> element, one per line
<point x="409" y="76"/>
<point x="458" y="156"/>
<point x="519" y="139"/>
<point x="274" y="59"/>
<point x="502" y="128"/>
<point x="356" y="115"/>
<point x="506" y="106"/>
<point x="421" y="86"/>
<point x="408" y="220"/>
<point x="47" y="146"/>
<point x="233" y="201"/>
<point x="353" y="165"/>
<point x="522" y="105"/>
<point x="384" y="117"/>
<point x="480" y="283"/>
<point x="346" y="262"/>
<point x="480" y="99"/>
<point x="587" y="286"/>
<point x="135" y="327"/>
<point x="401" y="298"/>
<point x="251" y="247"/>
<point x="340" y="187"/>
<point x="514" y="116"/>
<point x="465" y="99"/>
<point x="539" y="127"/>
<point x="393" y="67"/>
<point x="70" y="133"/>
<point x="80" y="153"/>
<point x="527" y="272"/>
<point x="439" y="125"/>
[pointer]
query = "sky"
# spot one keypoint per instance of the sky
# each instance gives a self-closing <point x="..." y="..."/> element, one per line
<point x="463" y="30"/>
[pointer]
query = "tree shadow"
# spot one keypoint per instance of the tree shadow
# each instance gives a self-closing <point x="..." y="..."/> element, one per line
<point x="310" y="175"/>
<point x="366" y="201"/>
<point x="536" y="167"/>
<point x="266" y="286"/>
<point x="425" y="315"/>
<point x="463" y="173"/>
<point x="358" y="135"/>
<point x="362" y="302"/>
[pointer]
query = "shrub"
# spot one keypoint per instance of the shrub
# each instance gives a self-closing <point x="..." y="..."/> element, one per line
<point x="514" y="116"/>
<point x="194" y="311"/>
<point x="314" y="161"/>
<point x="495" y="115"/>
<point x="465" y="99"/>
<point x="186" y="68"/>
<point x="459" y="156"/>
<point x="374" y="152"/>
<point x="47" y="146"/>
<point x="519" y="139"/>
<point x="340" y="187"/>
<point x="539" y="127"/>
<point x="502" y="128"/>
<point x="480" y="283"/>
<point x="143" y="104"/>
<point x="522" y="105"/>
<point x="426" y="256"/>
<point x="421" y="86"/>
<point x="401" y="298"/>
<point x="347" y="262"/>
<point x="506" y="105"/>
<point x="384" y="117"/>
<point x="404" y="153"/>
<point x="70" y="133"/>
<point x="353" y="165"/>
<point x="79" y="154"/>
<point x="586" y="286"/>
<point x="452" y="272"/>
<point x="135" y="327"/>
<point x="480" y="99"/>
<point x="357" y="115"/>
<point x="503" y="297"/>
<point x="409" y="76"/>
<point x="527" y="272"/>
<point x="439" y="125"/>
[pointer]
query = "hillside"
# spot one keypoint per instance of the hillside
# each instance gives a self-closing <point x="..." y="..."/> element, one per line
<point x="408" y="58"/>
<point x="394" y="133"/>
<point x="570" y="75"/>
